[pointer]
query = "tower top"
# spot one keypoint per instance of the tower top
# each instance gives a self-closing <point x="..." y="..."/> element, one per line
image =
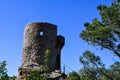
<point x="39" y="23"/>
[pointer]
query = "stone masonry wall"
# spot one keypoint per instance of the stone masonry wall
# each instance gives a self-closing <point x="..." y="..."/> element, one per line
<point x="39" y="37"/>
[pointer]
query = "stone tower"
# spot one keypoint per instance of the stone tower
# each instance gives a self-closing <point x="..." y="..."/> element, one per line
<point x="40" y="37"/>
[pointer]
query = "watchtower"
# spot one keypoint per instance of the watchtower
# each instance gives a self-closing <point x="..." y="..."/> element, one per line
<point x="39" y="37"/>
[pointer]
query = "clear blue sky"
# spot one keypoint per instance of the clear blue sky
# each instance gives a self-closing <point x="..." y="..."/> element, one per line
<point x="68" y="15"/>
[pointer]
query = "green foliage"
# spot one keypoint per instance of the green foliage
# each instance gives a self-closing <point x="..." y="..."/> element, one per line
<point x="74" y="76"/>
<point x="114" y="70"/>
<point x="93" y="68"/>
<point x="3" y="71"/>
<point x="46" y="60"/>
<point x="35" y="75"/>
<point x="12" y="78"/>
<point x="47" y="52"/>
<point x="90" y="73"/>
<point x="105" y="32"/>
<point x="89" y="59"/>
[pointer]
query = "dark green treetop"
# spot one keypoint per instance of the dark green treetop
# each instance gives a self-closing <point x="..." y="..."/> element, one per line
<point x="106" y="31"/>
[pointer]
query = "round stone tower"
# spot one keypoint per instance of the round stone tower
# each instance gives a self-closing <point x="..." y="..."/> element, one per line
<point x="39" y="38"/>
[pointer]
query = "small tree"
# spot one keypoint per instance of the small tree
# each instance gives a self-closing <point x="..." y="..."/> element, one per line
<point x="46" y="60"/>
<point x="74" y="76"/>
<point x="114" y="70"/>
<point x="93" y="68"/>
<point x="3" y="71"/>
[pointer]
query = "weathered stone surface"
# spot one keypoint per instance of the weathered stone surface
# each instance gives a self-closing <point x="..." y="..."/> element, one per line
<point x="39" y="37"/>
